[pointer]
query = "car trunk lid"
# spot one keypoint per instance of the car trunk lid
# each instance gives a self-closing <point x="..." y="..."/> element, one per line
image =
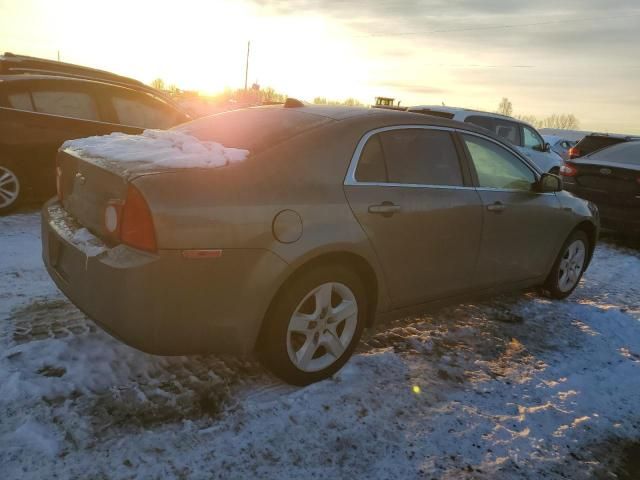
<point x="86" y="186"/>
<point x="608" y="182"/>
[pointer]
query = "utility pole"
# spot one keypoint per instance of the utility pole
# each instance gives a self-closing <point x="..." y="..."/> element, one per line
<point x="58" y="55"/>
<point x="246" y="70"/>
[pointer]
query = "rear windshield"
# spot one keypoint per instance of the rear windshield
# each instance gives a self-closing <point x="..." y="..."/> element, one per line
<point x="590" y="144"/>
<point x="253" y="129"/>
<point x="627" y="152"/>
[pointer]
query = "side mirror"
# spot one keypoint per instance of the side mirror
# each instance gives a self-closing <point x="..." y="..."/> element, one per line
<point x="549" y="183"/>
<point x="547" y="147"/>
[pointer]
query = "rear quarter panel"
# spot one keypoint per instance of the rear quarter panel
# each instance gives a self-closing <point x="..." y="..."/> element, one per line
<point x="235" y="206"/>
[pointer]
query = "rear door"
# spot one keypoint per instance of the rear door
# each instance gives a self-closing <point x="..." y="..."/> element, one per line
<point x="46" y="114"/>
<point x="521" y="227"/>
<point x="413" y="197"/>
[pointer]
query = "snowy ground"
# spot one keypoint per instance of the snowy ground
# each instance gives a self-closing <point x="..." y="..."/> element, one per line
<point x="520" y="387"/>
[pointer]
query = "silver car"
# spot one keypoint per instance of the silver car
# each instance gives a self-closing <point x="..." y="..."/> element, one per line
<point x="520" y="134"/>
<point x="332" y="219"/>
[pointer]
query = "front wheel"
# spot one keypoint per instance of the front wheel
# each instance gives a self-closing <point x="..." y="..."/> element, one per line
<point x="569" y="266"/>
<point x="314" y="325"/>
<point x="9" y="189"/>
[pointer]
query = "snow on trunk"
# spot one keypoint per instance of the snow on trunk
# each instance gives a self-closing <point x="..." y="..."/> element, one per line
<point x="161" y="148"/>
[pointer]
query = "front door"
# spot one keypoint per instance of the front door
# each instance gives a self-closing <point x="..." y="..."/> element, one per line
<point x="422" y="216"/>
<point x="521" y="227"/>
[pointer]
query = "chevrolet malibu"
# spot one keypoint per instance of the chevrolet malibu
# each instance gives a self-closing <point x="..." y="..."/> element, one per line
<point x="287" y="230"/>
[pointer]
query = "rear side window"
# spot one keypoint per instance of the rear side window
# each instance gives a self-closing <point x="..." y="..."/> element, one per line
<point x="65" y="103"/>
<point x="496" y="167"/>
<point x="414" y="156"/>
<point x="371" y="165"/>
<point x="21" y="101"/>
<point x="501" y="127"/>
<point x="137" y="113"/>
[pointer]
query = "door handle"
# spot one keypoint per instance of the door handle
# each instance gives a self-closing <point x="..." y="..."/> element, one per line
<point x="497" y="207"/>
<point x="386" y="209"/>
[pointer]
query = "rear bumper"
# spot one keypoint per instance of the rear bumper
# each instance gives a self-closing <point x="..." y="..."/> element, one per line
<point x="162" y="303"/>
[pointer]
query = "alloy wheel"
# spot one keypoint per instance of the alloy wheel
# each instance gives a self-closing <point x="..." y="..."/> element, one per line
<point x="9" y="187"/>
<point x="571" y="265"/>
<point x="322" y="327"/>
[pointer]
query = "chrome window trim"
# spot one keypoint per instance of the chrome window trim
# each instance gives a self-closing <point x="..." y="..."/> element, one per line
<point x="350" y="178"/>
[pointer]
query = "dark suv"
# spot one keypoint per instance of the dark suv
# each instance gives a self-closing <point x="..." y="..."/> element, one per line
<point x="597" y="141"/>
<point x="43" y="103"/>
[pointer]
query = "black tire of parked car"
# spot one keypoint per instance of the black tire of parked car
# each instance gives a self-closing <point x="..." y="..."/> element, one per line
<point x="552" y="285"/>
<point x="7" y="169"/>
<point x="272" y="347"/>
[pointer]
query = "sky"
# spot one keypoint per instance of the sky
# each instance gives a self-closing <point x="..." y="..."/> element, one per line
<point x="546" y="56"/>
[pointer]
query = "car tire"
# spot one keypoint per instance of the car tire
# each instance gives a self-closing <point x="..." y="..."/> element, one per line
<point x="569" y="266"/>
<point x="314" y="324"/>
<point x="10" y="188"/>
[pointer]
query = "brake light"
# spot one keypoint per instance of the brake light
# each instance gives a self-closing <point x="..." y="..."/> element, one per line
<point x="574" y="152"/>
<point x="133" y="221"/>
<point x="568" y="170"/>
<point x="59" y="183"/>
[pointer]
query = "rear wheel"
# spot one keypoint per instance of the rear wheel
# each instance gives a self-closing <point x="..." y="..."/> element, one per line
<point x="314" y="325"/>
<point x="569" y="266"/>
<point x="9" y="188"/>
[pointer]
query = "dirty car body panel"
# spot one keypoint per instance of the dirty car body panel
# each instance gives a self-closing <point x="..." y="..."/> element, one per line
<point x="292" y="203"/>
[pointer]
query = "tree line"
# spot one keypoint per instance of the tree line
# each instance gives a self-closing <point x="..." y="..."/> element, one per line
<point x="565" y="121"/>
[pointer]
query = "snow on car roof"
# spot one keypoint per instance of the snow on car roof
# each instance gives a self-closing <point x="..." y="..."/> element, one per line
<point x="160" y="148"/>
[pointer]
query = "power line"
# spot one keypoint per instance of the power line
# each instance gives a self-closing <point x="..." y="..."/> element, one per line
<point x="497" y="27"/>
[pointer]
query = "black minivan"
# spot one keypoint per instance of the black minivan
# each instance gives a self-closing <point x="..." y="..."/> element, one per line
<point x="44" y="102"/>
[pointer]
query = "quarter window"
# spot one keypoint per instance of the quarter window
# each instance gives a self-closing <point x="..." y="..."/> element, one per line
<point x="532" y="139"/>
<point x="421" y="156"/>
<point x="497" y="167"/>
<point x="21" y="101"/>
<point x="501" y="127"/>
<point x="68" y="104"/>
<point x="371" y="165"/>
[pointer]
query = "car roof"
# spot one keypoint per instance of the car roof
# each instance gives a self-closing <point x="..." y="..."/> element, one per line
<point x="384" y="117"/>
<point x="454" y="110"/>
<point x="29" y="77"/>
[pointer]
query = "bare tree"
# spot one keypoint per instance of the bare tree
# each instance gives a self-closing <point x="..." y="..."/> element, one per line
<point x="505" y="107"/>
<point x="158" y="84"/>
<point x="563" y="121"/>
<point x="352" y="102"/>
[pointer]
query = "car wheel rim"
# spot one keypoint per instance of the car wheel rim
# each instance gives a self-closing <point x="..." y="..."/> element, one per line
<point x="571" y="265"/>
<point x="9" y="187"/>
<point x="322" y="327"/>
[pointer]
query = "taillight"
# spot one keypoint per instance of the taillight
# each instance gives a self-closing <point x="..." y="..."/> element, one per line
<point x="131" y="222"/>
<point x="59" y="183"/>
<point x="568" y="170"/>
<point x="574" y="152"/>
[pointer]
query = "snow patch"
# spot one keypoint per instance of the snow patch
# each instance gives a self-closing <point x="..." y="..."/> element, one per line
<point x="161" y="148"/>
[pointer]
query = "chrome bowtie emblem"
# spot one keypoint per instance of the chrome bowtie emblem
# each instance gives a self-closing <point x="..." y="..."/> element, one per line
<point x="605" y="171"/>
<point x="80" y="178"/>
